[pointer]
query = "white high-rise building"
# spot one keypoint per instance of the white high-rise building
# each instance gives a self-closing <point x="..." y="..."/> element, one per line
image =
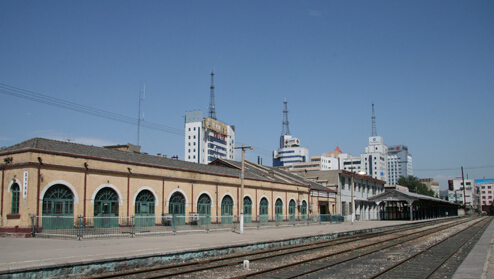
<point x="399" y="163"/>
<point x="207" y="139"/>
<point x="375" y="159"/>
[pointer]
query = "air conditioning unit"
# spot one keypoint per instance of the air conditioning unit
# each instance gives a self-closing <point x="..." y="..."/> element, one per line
<point x="194" y="217"/>
<point x="167" y="217"/>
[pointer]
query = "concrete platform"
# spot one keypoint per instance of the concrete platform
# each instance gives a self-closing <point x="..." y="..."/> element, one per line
<point x="35" y="254"/>
<point x="480" y="261"/>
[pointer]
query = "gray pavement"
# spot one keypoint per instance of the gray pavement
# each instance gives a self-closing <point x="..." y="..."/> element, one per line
<point x="32" y="253"/>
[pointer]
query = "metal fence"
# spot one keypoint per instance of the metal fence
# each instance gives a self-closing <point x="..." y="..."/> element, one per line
<point x="98" y="227"/>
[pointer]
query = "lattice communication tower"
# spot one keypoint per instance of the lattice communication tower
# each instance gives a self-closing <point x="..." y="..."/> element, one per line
<point x="212" y="110"/>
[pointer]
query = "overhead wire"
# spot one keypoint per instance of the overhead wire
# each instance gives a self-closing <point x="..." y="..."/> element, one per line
<point x="40" y="98"/>
<point x="457" y="168"/>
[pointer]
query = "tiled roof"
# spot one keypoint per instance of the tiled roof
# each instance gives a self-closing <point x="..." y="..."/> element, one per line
<point x="69" y="148"/>
<point x="252" y="171"/>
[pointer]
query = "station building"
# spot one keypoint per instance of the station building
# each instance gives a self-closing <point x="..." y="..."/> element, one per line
<point x="42" y="177"/>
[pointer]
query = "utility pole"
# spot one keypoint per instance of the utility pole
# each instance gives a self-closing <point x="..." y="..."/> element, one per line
<point x="142" y="96"/>
<point x="243" y="147"/>
<point x="351" y="192"/>
<point x="464" y="186"/>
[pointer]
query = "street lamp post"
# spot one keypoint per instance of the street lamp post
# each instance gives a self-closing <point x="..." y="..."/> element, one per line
<point x="353" y="201"/>
<point x="243" y="147"/>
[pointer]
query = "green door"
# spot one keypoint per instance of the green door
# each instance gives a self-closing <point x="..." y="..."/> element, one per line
<point x="144" y="209"/>
<point x="292" y="206"/>
<point x="227" y="210"/>
<point x="58" y="208"/>
<point x="278" y="210"/>
<point x="204" y="209"/>
<point x="303" y="211"/>
<point x="263" y="210"/>
<point x="247" y="210"/>
<point x="176" y="207"/>
<point x="106" y="208"/>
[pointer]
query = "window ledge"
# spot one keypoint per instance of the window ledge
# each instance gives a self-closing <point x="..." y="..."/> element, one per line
<point x="13" y="216"/>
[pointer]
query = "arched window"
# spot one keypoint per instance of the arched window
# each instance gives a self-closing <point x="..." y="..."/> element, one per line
<point x="144" y="209"/>
<point x="58" y="201"/>
<point x="15" y="199"/>
<point x="176" y="206"/>
<point x="227" y="210"/>
<point x="303" y="210"/>
<point x="292" y="206"/>
<point x="278" y="210"/>
<point x="106" y="207"/>
<point x="263" y="210"/>
<point x="144" y="203"/>
<point x="58" y="208"/>
<point x="247" y="210"/>
<point x="204" y="209"/>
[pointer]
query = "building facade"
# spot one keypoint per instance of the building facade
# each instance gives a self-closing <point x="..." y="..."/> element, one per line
<point x="340" y="181"/>
<point x="47" y="178"/>
<point x="469" y="196"/>
<point x="207" y="139"/>
<point x="326" y="161"/>
<point x="486" y="187"/>
<point x="399" y="163"/>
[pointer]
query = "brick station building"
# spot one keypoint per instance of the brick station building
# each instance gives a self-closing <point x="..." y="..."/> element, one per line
<point x="42" y="177"/>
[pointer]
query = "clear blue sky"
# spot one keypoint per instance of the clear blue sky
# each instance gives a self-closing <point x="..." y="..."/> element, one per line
<point x="428" y="66"/>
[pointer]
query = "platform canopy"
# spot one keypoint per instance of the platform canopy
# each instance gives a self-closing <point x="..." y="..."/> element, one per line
<point x="403" y="205"/>
<point x="410" y="198"/>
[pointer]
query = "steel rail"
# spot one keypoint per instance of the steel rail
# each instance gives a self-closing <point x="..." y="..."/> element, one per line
<point x="280" y="251"/>
<point x="486" y="222"/>
<point x="422" y="234"/>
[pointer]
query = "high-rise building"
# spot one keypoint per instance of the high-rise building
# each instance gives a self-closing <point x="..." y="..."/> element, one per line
<point x="290" y="151"/>
<point x="375" y="159"/>
<point x="399" y="163"/>
<point x="206" y="138"/>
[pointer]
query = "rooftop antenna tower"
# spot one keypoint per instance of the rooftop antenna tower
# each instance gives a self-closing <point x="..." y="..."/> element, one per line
<point x="142" y="96"/>
<point x="286" y="129"/>
<point x="374" y="129"/>
<point x="212" y="110"/>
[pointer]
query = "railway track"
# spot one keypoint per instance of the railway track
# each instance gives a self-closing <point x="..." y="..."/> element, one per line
<point x="396" y="258"/>
<point x="266" y="263"/>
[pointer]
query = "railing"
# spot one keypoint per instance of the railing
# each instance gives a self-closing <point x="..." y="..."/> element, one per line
<point x="98" y="227"/>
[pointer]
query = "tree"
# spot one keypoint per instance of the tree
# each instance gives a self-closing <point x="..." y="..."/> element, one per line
<point x="415" y="186"/>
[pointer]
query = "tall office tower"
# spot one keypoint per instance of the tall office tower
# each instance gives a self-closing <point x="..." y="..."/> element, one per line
<point x="399" y="163"/>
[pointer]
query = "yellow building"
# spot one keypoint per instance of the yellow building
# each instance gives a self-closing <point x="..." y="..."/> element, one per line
<point x="42" y="177"/>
